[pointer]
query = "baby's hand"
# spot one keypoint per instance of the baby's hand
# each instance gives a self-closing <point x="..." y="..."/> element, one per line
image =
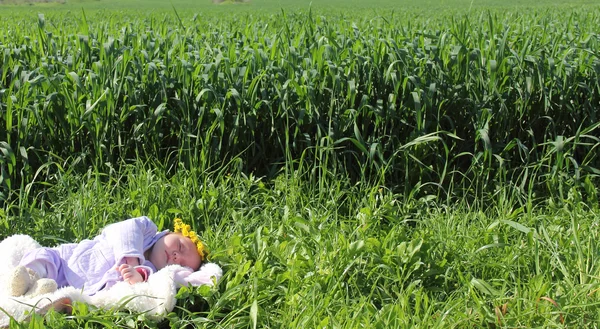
<point x="129" y="274"/>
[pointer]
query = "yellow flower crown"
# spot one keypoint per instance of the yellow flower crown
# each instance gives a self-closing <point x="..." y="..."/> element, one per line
<point x="186" y="231"/>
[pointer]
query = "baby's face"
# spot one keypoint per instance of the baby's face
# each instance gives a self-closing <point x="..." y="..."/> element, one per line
<point x="174" y="248"/>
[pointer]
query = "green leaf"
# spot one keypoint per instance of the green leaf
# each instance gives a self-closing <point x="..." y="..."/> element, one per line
<point x="302" y="224"/>
<point x="517" y="226"/>
<point x="491" y="245"/>
<point x="23" y="152"/>
<point x="183" y="293"/>
<point x="484" y="287"/>
<point x="324" y="323"/>
<point x="204" y="290"/>
<point x="254" y="314"/>
<point x="160" y="110"/>
<point x="356" y="247"/>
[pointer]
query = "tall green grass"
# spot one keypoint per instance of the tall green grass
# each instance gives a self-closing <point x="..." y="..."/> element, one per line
<point x="454" y="103"/>
<point x="387" y="171"/>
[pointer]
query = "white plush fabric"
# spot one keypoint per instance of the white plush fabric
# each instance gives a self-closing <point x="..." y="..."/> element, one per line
<point x="156" y="297"/>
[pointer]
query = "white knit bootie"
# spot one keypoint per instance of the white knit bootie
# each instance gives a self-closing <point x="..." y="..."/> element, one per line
<point x="20" y="281"/>
<point x="26" y="282"/>
<point x="41" y="287"/>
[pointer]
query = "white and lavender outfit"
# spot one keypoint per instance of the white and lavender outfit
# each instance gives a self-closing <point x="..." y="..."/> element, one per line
<point x="91" y="264"/>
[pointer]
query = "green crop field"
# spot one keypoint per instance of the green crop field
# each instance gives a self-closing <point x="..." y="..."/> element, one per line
<point x="350" y="164"/>
<point x="427" y="7"/>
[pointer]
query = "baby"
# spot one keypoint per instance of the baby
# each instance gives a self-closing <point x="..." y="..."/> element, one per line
<point x="129" y="251"/>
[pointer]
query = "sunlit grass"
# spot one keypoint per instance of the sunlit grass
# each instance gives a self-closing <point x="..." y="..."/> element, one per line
<point x="275" y="5"/>
<point x="343" y="257"/>
<point x="410" y="168"/>
<point x="460" y="103"/>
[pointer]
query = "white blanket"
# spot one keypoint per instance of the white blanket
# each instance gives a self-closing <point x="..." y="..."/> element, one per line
<point x="155" y="298"/>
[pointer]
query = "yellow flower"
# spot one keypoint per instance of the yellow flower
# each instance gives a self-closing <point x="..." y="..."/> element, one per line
<point x="193" y="236"/>
<point x="186" y="230"/>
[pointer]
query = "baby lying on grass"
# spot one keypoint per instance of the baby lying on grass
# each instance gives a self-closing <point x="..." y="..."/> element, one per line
<point x="128" y="251"/>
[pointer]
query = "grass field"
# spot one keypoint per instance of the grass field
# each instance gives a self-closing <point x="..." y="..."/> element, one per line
<point x="350" y="164"/>
<point x="426" y="6"/>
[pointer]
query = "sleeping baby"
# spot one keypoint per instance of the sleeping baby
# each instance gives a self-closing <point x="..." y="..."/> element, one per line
<point x="128" y="251"/>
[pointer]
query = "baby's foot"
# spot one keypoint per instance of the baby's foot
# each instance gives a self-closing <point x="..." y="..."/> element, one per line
<point x="20" y="281"/>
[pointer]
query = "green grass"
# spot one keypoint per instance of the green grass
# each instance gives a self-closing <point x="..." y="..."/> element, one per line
<point x="426" y="6"/>
<point x="437" y="101"/>
<point x="347" y="256"/>
<point x="381" y="164"/>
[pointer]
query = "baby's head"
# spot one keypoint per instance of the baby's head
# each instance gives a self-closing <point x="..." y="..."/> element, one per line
<point x="181" y="247"/>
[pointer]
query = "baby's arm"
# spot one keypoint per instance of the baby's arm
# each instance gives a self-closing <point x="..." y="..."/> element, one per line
<point x="128" y="238"/>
